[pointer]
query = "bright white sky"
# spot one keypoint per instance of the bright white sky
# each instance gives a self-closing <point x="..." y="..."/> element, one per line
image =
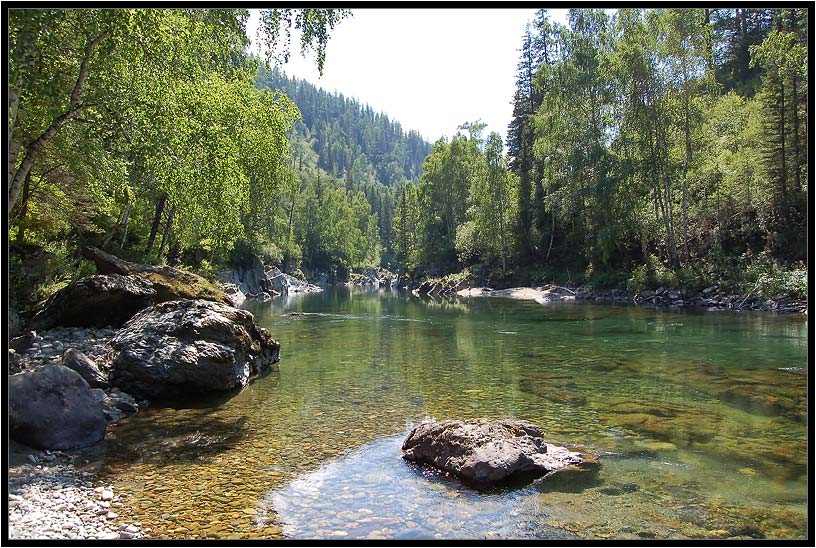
<point x="429" y="69"/>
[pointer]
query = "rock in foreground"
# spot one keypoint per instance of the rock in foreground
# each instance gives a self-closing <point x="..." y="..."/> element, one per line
<point x="484" y="451"/>
<point x="54" y="408"/>
<point x="186" y="347"/>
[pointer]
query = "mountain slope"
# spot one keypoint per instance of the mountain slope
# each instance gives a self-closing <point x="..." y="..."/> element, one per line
<point x="351" y="140"/>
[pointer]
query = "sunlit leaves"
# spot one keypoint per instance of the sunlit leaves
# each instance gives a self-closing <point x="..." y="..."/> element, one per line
<point x="314" y="25"/>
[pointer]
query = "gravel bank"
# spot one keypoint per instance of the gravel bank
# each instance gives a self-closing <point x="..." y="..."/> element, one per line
<point x="54" y="495"/>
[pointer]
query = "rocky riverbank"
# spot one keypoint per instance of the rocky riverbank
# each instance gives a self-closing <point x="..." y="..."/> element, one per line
<point x="710" y="298"/>
<point x="54" y="346"/>
<point x="153" y="332"/>
<point x="54" y="494"/>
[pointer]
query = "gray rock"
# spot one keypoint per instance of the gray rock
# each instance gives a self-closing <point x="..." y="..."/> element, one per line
<point x="23" y="342"/>
<point x="54" y="408"/>
<point x="15" y="362"/>
<point x="484" y="451"/>
<point x="86" y="367"/>
<point x="189" y="346"/>
<point x="95" y="301"/>
<point x="15" y="323"/>
<point x="251" y="277"/>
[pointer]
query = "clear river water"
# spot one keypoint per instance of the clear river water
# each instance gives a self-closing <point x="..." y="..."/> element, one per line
<point x="699" y="420"/>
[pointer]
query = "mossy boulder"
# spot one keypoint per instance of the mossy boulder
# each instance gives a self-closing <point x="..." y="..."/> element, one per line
<point x="169" y="283"/>
<point x="95" y="301"/>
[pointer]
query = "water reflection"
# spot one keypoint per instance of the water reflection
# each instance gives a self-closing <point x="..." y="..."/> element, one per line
<point x="700" y="420"/>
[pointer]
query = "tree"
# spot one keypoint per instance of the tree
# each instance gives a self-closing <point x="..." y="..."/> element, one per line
<point x="494" y="206"/>
<point x="407" y="220"/>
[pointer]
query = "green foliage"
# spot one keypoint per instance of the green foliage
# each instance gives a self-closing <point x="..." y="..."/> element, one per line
<point x="314" y="25"/>
<point x="336" y="229"/>
<point x="351" y="140"/>
<point x="142" y="131"/>
<point x="207" y="270"/>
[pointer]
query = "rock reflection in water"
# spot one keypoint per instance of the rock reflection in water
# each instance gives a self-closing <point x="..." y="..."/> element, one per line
<point x="372" y="493"/>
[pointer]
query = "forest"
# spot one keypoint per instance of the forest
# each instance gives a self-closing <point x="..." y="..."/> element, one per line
<point x="648" y="147"/>
<point x="652" y="147"/>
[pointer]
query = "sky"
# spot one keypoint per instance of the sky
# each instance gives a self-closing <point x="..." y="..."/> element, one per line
<point x="429" y="69"/>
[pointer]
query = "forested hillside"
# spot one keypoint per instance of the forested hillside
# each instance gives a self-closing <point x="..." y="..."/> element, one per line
<point x="346" y="145"/>
<point x="141" y="131"/>
<point x="649" y="147"/>
<point x="351" y="140"/>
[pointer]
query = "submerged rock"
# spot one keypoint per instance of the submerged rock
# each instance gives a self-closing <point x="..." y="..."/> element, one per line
<point x="190" y="346"/>
<point x="54" y="408"/>
<point x="485" y="451"/>
<point x="95" y="301"/>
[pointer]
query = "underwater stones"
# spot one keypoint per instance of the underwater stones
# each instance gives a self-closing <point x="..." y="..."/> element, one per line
<point x="769" y="400"/>
<point x="557" y="388"/>
<point x="190" y="346"/>
<point x="484" y="451"/>
<point x="679" y="425"/>
<point x="54" y="408"/>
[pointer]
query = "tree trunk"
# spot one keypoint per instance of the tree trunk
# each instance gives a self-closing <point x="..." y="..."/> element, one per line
<point x="14" y="146"/>
<point x="24" y="209"/>
<point x="552" y="235"/>
<point x="125" y="228"/>
<point x="156" y="220"/>
<point x="168" y="230"/>
<point x="33" y="149"/>
<point x="709" y="43"/>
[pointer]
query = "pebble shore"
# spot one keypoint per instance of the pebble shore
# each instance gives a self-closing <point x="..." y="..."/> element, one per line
<point x="54" y="494"/>
<point x="50" y="497"/>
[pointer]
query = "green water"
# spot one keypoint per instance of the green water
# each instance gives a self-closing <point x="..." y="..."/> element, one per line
<point x="699" y="419"/>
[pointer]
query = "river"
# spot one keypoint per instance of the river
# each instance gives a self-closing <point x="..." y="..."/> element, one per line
<point x="699" y="420"/>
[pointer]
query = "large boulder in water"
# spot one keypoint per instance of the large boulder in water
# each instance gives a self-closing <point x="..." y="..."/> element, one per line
<point x="53" y="408"/>
<point x="185" y="347"/>
<point x="95" y="301"/>
<point x="484" y="451"/>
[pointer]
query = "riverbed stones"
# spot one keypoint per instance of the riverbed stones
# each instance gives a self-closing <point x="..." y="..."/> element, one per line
<point x="54" y="408"/>
<point x="485" y="451"/>
<point x="95" y="301"/>
<point x="187" y="347"/>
